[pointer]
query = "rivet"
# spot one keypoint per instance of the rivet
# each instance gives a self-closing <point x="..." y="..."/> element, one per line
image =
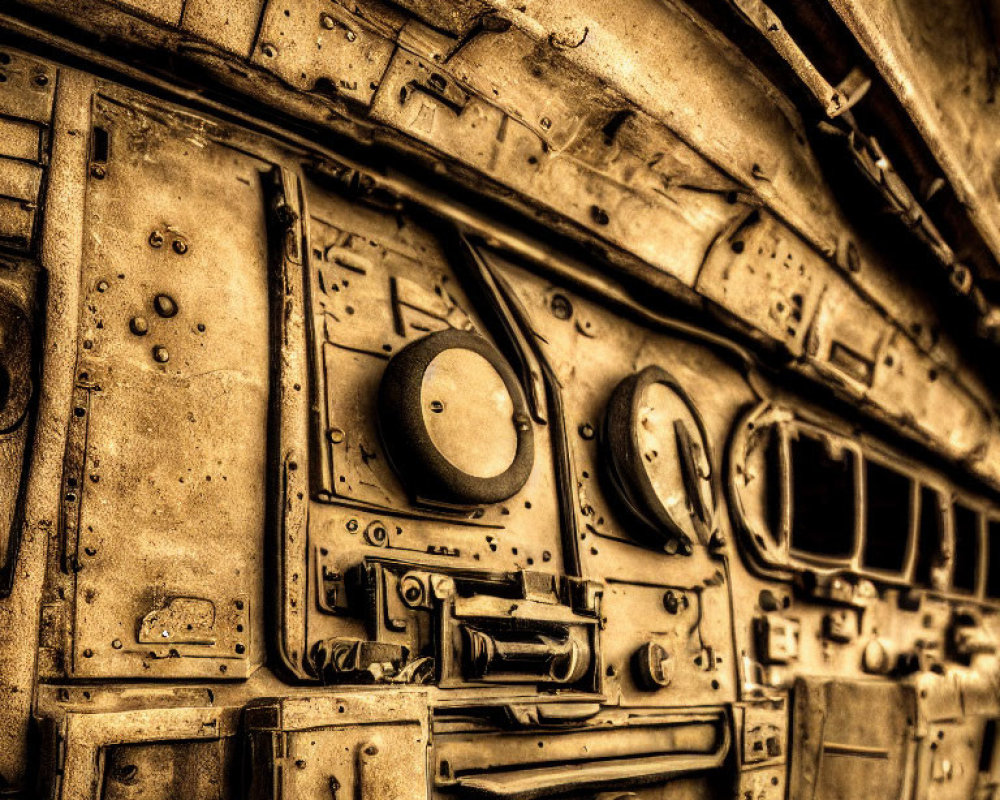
<point x="160" y="354"/>
<point x="139" y="326"/>
<point x="351" y="36"/>
<point x="269" y="50"/>
<point x="117" y="644"/>
<point x="371" y="750"/>
<point x="521" y="422"/>
<point x="41" y="80"/>
<point x="326" y="21"/>
<point x="561" y="307"/>
<point x="156" y="239"/>
<point x="179" y="246"/>
<point x="546" y="123"/>
<point x="102" y="286"/>
<point x="352" y="525"/>
<point x="335" y="435"/>
<point x="164" y="305"/>
<point x="97" y="171"/>
<point x="587" y="430"/>
<point x="88" y="653"/>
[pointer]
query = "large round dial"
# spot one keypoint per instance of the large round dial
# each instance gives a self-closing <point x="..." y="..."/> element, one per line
<point x="454" y="421"/>
<point x="658" y="460"/>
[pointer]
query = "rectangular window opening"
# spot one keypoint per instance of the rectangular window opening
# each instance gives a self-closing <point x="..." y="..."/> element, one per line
<point x="887" y="518"/>
<point x="100" y="144"/>
<point x="773" y="481"/>
<point x="824" y="503"/>
<point x="993" y="549"/>
<point x="986" y="754"/>
<point x="966" y="528"/>
<point x="929" y="535"/>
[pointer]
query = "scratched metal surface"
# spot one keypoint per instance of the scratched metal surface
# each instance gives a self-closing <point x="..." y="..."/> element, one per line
<point x="475" y="399"/>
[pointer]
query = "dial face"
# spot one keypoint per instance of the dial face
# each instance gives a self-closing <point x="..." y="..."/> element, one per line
<point x="659" y="460"/>
<point x="454" y="421"/>
<point x="468" y="412"/>
<point x="674" y="457"/>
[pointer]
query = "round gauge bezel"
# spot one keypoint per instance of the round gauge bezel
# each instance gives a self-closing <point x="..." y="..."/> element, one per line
<point x="623" y="454"/>
<point x="426" y="472"/>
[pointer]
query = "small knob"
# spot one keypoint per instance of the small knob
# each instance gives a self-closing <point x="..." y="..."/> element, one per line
<point x="877" y="657"/>
<point x="652" y="667"/>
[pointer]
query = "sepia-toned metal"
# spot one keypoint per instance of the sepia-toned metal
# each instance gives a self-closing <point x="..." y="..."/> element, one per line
<point x="551" y="400"/>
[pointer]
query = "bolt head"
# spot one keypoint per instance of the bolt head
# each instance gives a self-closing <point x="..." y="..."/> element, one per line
<point x="335" y="435"/>
<point x="165" y="305"/>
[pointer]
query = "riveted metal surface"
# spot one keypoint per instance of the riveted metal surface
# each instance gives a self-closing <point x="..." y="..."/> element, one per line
<point x="479" y="399"/>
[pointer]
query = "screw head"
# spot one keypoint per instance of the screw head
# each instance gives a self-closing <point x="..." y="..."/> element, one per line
<point x="561" y="307"/>
<point x="377" y="534"/>
<point x="412" y="590"/>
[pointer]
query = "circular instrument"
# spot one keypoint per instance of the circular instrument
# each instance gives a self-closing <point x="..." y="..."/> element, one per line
<point x="658" y="460"/>
<point x="454" y="421"/>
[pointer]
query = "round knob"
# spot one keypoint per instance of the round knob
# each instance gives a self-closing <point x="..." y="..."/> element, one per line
<point x="877" y="657"/>
<point x="652" y="667"/>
